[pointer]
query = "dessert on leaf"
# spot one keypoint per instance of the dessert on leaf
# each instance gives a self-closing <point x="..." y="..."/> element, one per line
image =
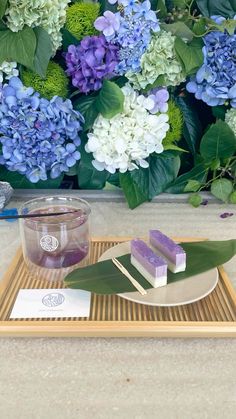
<point x="152" y="267"/>
<point x="169" y="250"/>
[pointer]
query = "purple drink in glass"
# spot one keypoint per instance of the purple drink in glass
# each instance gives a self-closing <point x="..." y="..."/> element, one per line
<point x="55" y="245"/>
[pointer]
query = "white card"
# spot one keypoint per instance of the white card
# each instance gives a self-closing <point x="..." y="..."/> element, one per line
<point x="44" y="303"/>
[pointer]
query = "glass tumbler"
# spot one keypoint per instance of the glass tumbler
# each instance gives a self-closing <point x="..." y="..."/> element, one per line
<point x="53" y="246"/>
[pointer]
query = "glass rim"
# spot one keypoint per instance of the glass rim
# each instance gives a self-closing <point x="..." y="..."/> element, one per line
<point x="42" y="198"/>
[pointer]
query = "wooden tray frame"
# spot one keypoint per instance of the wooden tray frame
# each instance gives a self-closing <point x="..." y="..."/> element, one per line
<point x="123" y="328"/>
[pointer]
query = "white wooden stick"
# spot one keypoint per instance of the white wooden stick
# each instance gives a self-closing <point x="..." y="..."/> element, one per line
<point x="130" y="277"/>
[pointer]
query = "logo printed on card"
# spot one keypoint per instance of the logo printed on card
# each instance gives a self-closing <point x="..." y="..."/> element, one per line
<point x="53" y="299"/>
<point x="49" y="243"/>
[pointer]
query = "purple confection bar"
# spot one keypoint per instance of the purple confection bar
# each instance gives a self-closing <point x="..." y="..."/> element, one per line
<point x="167" y="247"/>
<point x="154" y="265"/>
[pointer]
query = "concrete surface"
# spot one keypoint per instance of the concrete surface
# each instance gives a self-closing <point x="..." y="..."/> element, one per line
<point x="123" y="378"/>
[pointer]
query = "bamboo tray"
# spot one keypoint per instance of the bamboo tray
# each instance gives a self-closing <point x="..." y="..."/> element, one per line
<point x="112" y="316"/>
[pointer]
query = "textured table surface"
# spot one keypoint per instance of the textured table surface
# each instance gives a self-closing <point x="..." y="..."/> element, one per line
<point x="123" y="378"/>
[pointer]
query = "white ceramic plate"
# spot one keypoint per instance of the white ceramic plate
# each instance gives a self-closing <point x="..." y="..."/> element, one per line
<point x="178" y="293"/>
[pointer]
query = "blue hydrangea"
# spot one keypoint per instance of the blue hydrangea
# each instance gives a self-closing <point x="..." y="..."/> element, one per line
<point x="215" y="81"/>
<point x="131" y="30"/>
<point x="39" y="137"/>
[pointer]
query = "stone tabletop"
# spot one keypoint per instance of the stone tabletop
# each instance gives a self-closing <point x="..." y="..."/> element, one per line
<point x="122" y="378"/>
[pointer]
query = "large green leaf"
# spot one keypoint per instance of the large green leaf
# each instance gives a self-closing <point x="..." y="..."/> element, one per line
<point x="18" y="46"/>
<point x="3" y="6"/>
<point x="18" y="181"/>
<point x="110" y="100"/>
<point x="190" y="55"/>
<point x="222" y="188"/>
<point x="86" y="105"/>
<point x="43" y="51"/>
<point x="218" y="142"/>
<point x="225" y="8"/>
<point x="88" y="176"/>
<point x="161" y="7"/>
<point x="133" y="193"/>
<point x="192" y="129"/>
<point x="199" y="173"/>
<point x="144" y="184"/>
<point x="105" y="278"/>
<point x="178" y="29"/>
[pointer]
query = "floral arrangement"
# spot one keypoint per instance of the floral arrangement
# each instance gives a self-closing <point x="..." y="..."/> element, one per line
<point x="139" y="95"/>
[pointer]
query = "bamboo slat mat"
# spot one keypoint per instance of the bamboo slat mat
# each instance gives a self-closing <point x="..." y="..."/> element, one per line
<point x="110" y="315"/>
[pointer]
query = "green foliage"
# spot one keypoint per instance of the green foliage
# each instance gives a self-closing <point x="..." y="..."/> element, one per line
<point x="222" y="189"/>
<point x="192" y="128"/>
<point x="86" y="105"/>
<point x="195" y="200"/>
<point x="80" y="18"/>
<point x="55" y="83"/>
<point x="232" y="198"/>
<point x="190" y="55"/>
<point x="144" y="184"/>
<point x="161" y="7"/>
<point x="29" y="47"/>
<point x="43" y="51"/>
<point x="192" y="186"/>
<point x="3" y="6"/>
<point x="176" y="125"/>
<point x="88" y="176"/>
<point x="18" y="46"/>
<point x="218" y="142"/>
<point x="199" y="173"/>
<point x="179" y="29"/>
<point x="225" y="8"/>
<point x="110" y="100"/>
<point x="105" y="278"/>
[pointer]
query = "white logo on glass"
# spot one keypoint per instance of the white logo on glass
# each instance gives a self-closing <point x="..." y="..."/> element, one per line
<point x="49" y="243"/>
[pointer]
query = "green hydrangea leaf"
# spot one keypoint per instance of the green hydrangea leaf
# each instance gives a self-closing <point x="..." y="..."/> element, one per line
<point x="178" y="29"/>
<point x="222" y="188"/>
<point x="192" y="186"/>
<point x="199" y="172"/>
<point x="218" y="142"/>
<point x="43" y="51"/>
<point x="225" y="8"/>
<point x="3" y="6"/>
<point x="88" y="176"/>
<point x="134" y="195"/>
<point x="190" y="55"/>
<point x="87" y="107"/>
<point x="161" y="7"/>
<point x="18" y="46"/>
<point x="199" y="27"/>
<point x="110" y="100"/>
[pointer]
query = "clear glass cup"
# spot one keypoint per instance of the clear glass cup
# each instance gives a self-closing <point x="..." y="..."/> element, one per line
<point x="54" y="246"/>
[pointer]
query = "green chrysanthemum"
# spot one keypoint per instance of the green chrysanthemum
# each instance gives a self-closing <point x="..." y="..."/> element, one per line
<point x="176" y="127"/>
<point x="55" y="83"/>
<point x="80" y="18"/>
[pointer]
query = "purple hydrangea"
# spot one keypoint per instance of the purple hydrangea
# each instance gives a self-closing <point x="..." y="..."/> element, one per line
<point x="91" y="62"/>
<point x="39" y="137"/>
<point x="135" y="22"/>
<point x="160" y="96"/>
<point x="215" y="81"/>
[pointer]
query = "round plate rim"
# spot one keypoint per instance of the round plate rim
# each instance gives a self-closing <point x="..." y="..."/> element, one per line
<point x="124" y="295"/>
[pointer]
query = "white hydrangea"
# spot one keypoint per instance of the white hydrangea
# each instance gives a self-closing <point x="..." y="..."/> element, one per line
<point x="230" y="119"/>
<point x="7" y="70"/>
<point x="127" y="139"/>
<point x="159" y="60"/>
<point x="49" y="14"/>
